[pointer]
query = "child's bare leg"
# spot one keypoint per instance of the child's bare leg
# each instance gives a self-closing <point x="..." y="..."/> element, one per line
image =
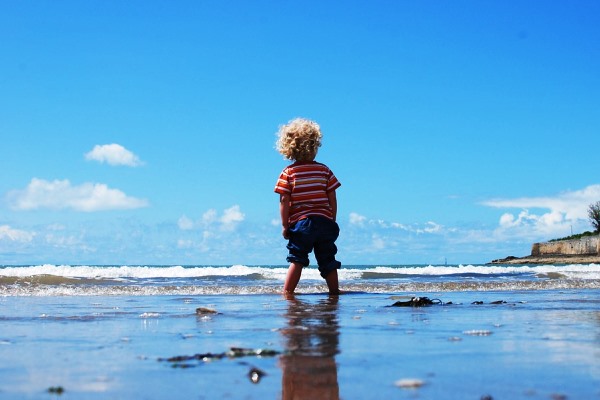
<point x="293" y="277"/>
<point x="332" y="282"/>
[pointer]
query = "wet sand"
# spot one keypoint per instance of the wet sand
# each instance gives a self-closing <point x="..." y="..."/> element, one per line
<point x="536" y="345"/>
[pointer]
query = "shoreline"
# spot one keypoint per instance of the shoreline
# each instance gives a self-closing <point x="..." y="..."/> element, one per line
<point x="354" y="346"/>
<point x="549" y="259"/>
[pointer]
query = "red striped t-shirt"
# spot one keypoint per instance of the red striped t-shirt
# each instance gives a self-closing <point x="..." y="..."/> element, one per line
<point x="308" y="184"/>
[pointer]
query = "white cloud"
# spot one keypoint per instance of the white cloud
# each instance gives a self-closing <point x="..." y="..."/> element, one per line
<point x="214" y="233"/>
<point x="211" y="220"/>
<point x="400" y="226"/>
<point x="431" y="227"/>
<point x="15" y="235"/>
<point x="113" y="154"/>
<point x="573" y="205"/>
<point x="209" y="216"/>
<point x="60" y="194"/>
<point x="535" y="219"/>
<point x="185" y="224"/>
<point x="565" y="210"/>
<point x="362" y="221"/>
<point x="232" y="216"/>
<point x="357" y="219"/>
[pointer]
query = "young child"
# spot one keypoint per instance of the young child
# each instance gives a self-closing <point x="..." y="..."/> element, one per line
<point x="307" y="204"/>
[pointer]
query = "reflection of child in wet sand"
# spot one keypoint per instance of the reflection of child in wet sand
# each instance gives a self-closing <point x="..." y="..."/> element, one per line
<point x="308" y="204"/>
<point x="309" y="370"/>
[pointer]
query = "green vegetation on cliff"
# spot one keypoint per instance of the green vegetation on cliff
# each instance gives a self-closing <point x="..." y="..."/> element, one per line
<point x="577" y="236"/>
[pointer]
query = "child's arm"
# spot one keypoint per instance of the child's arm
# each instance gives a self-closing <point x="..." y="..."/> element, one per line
<point x="284" y="211"/>
<point x="333" y="203"/>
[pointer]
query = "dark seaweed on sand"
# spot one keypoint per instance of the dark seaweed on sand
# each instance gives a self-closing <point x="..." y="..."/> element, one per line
<point x="234" y="352"/>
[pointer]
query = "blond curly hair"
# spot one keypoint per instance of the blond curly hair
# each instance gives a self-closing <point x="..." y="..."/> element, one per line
<point x="299" y="140"/>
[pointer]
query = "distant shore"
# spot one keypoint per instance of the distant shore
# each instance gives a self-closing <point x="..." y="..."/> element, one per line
<point x="550" y="259"/>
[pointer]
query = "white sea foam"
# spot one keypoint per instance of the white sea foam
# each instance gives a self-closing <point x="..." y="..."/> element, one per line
<point x="92" y="272"/>
<point x="78" y="280"/>
<point x="486" y="269"/>
<point x="382" y="286"/>
<point x="574" y="271"/>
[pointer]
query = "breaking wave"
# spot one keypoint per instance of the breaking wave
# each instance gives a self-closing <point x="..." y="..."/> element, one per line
<point x="73" y="280"/>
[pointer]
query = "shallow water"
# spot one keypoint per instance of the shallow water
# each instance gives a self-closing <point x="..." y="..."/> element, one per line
<point x="539" y="344"/>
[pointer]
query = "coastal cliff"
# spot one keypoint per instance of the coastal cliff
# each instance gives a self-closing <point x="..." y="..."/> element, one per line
<point x="585" y="250"/>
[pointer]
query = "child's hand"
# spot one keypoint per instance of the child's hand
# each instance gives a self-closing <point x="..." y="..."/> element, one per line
<point x="285" y="233"/>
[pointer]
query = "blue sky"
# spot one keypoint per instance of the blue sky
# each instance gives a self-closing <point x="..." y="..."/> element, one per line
<point x="142" y="132"/>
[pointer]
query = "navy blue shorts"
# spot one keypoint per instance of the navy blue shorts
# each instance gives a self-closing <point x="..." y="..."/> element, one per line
<point x="318" y="233"/>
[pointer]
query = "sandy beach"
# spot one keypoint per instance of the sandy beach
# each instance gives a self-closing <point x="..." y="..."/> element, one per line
<point x="532" y="345"/>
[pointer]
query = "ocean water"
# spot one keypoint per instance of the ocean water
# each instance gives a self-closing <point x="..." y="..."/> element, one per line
<point x="94" y="280"/>
<point x="98" y="332"/>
